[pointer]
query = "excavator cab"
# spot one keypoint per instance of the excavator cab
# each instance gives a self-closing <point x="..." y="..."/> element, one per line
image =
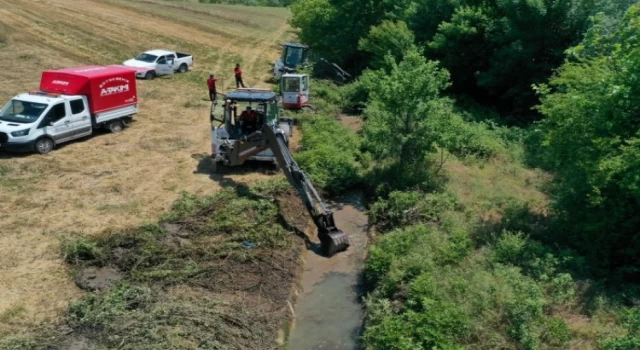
<point x="293" y="55"/>
<point x="239" y="138"/>
<point x="237" y="126"/>
<point x="294" y="91"/>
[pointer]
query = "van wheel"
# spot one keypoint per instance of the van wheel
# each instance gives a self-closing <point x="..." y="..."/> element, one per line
<point x="115" y="126"/>
<point x="183" y="68"/>
<point x="150" y="75"/>
<point x="44" y="145"/>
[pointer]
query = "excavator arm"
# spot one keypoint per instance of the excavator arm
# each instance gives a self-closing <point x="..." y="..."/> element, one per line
<point x="332" y="239"/>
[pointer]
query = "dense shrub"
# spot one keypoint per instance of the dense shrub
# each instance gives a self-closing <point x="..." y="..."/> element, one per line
<point x="81" y="249"/>
<point x="407" y="118"/>
<point x="410" y="208"/>
<point x="330" y="154"/>
<point x="425" y="299"/>
<point x="631" y="322"/>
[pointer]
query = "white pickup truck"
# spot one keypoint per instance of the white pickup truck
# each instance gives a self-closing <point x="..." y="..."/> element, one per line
<point x="151" y="64"/>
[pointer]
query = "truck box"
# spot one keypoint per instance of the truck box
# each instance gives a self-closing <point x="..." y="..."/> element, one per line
<point x="106" y="87"/>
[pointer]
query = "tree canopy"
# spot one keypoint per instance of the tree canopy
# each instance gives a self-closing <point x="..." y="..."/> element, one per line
<point x="494" y="50"/>
<point x="592" y="140"/>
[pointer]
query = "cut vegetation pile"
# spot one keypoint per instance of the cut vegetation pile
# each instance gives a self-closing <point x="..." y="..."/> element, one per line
<point x="215" y="273"/>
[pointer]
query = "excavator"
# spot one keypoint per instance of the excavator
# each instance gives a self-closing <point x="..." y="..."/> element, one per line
<point x="297" y="55"/>
<point x="250" y="128"/>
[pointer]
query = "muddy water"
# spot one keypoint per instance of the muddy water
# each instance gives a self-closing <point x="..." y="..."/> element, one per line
<point x="328" y="313"/>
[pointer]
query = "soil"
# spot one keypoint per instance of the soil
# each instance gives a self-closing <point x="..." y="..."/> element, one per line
<point x="97" y="279"/>
<point x="352" y="123"/>
<point x="78" y="343"/>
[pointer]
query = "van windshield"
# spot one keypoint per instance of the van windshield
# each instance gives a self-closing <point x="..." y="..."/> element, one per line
<point x="23" y="112"/>
<point x="145" y="57"/>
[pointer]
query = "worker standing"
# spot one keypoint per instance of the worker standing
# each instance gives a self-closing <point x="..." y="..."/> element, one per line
<point x="211" y="84"/>
<point x="238" y="73"/>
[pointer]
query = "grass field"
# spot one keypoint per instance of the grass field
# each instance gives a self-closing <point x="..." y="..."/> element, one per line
<point x="111" y="182"/>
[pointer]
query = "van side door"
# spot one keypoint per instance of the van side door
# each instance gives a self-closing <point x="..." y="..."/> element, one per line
<point x="57" y="123"/>
<point x="80" y="118"/>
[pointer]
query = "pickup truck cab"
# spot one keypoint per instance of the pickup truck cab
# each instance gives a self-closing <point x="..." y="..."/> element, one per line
<point x="151" y="64"/>
<point x="70" y="104"/>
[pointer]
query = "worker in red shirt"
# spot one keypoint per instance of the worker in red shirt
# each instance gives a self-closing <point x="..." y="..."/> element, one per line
<point x="211" y="84"/>
<point x="238" y="73"/>
<point x="249" y="119"/>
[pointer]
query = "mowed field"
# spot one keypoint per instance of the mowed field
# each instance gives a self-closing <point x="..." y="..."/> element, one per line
<point x="109" y="182"/>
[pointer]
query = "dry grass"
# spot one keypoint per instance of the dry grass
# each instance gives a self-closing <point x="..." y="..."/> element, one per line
<point x="110" y="182"/>
<point x="493" y="186"/>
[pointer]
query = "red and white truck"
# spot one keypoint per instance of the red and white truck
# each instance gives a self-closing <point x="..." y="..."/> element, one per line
<point x="70" y="104"/>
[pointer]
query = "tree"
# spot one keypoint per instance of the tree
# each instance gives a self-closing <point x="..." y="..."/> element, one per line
<point x="405" y="117"/>
<point x="388" y="38"/>
<point x="592" y="141"/>
<point x="496" y="50"/>
<point x="333" y="28"/>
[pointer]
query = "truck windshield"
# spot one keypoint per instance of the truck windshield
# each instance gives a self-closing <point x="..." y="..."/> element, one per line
<point x="17" y="111"/>
<point x="145" y="57"/>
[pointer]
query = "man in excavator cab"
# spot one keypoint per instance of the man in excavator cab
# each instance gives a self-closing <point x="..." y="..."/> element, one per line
<point x="249" y="120"/>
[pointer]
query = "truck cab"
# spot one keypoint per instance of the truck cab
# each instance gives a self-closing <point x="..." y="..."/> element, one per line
<point x="153" y="63"/>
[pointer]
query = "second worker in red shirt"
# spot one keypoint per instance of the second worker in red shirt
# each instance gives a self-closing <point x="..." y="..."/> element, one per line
<point x="238" y="73"/>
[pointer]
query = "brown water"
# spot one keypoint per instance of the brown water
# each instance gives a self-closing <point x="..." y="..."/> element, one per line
<point x="328" y="310"/>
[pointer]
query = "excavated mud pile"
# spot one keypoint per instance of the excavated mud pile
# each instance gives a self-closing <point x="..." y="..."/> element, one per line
<point x="216" y="273"/>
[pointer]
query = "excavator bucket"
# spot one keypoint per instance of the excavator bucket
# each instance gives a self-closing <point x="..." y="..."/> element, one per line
<point x="333" y="242"/>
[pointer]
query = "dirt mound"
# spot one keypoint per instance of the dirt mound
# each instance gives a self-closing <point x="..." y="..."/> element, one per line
<point x="97" y="279"/>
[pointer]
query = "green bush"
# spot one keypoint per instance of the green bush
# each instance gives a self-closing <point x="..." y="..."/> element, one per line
<point x="187" y="204"/>
<point x="330" y="154"/>
<point x="81" y="249"/>
<point x="556" y="333"/>
<point x="14" y="342"/>
<point x="354" y="97"/>
<point x="100" y="309"/>
<point x="453" y="303"/>
<point x="435" y="327"/>
<point x="325" y="96"/>
<point x="410" y="208"/>
<point x="630" y="341"/>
